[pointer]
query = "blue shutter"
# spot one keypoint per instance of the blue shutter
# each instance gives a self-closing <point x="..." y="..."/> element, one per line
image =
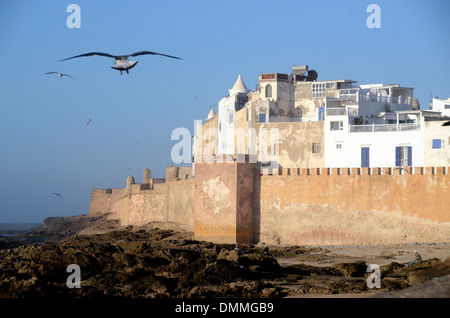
<point x="397" y="156"/>
<point x="262" y="118"/>
<point x="321" y="114"/>
<point x="409" y="156"/>
<point x="365" y="157"/>
<point x="436" y="144"/>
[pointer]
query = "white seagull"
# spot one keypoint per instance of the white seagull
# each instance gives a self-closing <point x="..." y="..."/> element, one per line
<point x="121" y="61"/>
<point x="60" y="74"/>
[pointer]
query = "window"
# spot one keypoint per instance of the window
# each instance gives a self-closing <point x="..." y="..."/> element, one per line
<point x="336" y="125"/>
<point x="318" y="89"/>
<point x="436" y="144"/>
<point x="277" y="149"/>
<point x="338" y="146"/>
<point x="262" y="118"/>
<point x="403" y="156"/>
<point x="447" y="106"/>
<point x="230" y="117"/>
<point x="268" y="90"/>
<point x="316" y="148"/>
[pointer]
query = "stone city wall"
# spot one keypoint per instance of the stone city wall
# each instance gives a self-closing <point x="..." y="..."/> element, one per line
<point x="163" y="200"/>
<point x="235" y="203"/>
<point x="353" y="206"/>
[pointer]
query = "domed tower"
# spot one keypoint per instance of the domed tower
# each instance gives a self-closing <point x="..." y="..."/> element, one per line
<point x="239" y="87"/>
<point x="211" y="114"/>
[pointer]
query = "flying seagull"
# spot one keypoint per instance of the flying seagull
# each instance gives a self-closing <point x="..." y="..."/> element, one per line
<point x="60" y="74"/>
<point x="56" y="194"/>
<point x="121" y="61"/>
<point x="89" y="121"/>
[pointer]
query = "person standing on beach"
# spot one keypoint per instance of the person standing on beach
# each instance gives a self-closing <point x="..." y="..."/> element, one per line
<point x="417" y="259"/>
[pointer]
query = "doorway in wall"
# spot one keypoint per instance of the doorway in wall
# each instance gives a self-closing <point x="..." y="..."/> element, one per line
<point x="365" y="156"/>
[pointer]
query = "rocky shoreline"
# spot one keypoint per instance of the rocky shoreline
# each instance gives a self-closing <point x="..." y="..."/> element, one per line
<point x="159" y="260"/>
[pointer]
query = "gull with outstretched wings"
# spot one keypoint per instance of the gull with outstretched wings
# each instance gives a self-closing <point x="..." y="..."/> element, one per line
<point x="60" y="74"/>
<point x="121" y="61"/>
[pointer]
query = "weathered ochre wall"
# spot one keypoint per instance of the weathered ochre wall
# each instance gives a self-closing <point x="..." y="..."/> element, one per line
<point x="101" y="201"/>
<point x="180" y="202"/>
<point x="224" y="202"/>
<point x="234" y="203"/>
<point x="167" y="202"/>
<point x="296" y="139"/>
<point x="215" y="202"/>
<point x="321" y="207"/>
<point x="142" y="206"/>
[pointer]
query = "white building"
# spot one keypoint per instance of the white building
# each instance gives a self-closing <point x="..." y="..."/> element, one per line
<point x="411" y="138"/>
<point x="227" y="108"/>
<point x="441" y="105"/>
<point x="372" y="125"/>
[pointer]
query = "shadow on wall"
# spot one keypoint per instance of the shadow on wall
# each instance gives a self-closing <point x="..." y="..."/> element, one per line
<point x="266" y="169"/>
<point x="257" y="207"/>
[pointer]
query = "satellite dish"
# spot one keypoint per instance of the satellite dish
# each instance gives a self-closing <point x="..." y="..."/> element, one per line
<point x="312" y="74"/>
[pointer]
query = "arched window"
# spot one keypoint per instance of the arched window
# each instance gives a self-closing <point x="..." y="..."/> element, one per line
<point x="268" y="90"/>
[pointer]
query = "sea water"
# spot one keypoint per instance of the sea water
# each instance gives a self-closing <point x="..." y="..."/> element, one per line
<point x="16" y="226"/>
<point x="11" y="229"/>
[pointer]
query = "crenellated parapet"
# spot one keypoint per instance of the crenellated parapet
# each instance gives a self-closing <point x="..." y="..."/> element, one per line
<point x="373" y="171"/>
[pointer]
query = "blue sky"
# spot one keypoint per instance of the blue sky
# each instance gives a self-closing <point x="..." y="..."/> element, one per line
<point x="46" y="145"/>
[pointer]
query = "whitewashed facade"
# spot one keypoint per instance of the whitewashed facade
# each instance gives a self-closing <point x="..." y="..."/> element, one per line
<point x="442" y="105"/>
<point x="372" y="125"/>
<point x="227" y="108"/>
<point x="407" y="142"/>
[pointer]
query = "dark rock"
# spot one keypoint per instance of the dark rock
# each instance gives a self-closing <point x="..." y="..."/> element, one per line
<point x="357" y="269"/>
<point x="161" y="262"/>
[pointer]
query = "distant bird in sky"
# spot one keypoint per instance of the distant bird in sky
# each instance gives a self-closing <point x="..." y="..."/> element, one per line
<point x="54" y="193"/>
<point x="60" y="74"/>
<point x="121" y="61"/>
<point x="89" y="121"/>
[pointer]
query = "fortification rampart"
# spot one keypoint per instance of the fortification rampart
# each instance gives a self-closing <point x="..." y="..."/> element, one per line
<point x="353" y="206"/>
<point x="238" y="202"/>
<point x="164" y="200"/>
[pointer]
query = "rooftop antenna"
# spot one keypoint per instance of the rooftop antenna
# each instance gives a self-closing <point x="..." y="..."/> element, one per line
<point x="431" y="101"/>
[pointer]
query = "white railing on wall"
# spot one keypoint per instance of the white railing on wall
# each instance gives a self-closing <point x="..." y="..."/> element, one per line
<point x="384" y="127"/>
<point x="340" y="111"/>
<point x="385" y="99"/>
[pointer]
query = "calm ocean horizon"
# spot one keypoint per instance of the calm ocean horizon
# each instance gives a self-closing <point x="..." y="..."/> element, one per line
<point x="19" y="226"/>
